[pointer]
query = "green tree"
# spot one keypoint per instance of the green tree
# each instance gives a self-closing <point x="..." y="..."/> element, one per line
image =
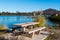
<point x="55" y="19"/>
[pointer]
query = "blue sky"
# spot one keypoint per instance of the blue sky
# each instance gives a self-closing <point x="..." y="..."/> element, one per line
<point x="28" y="5"/>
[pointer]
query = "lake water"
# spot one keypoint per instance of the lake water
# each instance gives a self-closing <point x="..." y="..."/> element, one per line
<point x="10" y="20"/>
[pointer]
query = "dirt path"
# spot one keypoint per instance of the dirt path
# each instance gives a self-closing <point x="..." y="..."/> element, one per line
<point x="57" y="33"/>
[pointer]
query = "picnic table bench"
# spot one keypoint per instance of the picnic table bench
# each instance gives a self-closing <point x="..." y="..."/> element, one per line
<point x="31" y="32"/>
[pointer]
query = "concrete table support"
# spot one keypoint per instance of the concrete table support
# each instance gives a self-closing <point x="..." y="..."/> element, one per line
<point x="23" y="29"/>
<point x="31" y="35"/>
<point x="38" y="32"/>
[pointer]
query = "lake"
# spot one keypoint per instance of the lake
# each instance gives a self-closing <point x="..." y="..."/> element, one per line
<point x="10" y="20"/>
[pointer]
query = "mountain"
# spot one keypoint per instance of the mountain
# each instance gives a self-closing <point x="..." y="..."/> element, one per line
<point x="51" y="11"/>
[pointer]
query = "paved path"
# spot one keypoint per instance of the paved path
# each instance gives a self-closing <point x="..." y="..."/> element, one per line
<point x="37" y="37"/>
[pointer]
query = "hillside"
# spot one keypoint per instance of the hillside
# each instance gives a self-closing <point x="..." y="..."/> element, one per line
<point x="51" y="11"/>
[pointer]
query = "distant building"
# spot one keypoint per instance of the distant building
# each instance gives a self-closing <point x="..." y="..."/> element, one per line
<point x="56" y="14"/>
<point x="34" y="14"/>
<point x="41" y="12"/>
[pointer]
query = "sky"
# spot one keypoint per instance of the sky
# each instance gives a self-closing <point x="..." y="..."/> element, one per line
<point x="28" y="5"/>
